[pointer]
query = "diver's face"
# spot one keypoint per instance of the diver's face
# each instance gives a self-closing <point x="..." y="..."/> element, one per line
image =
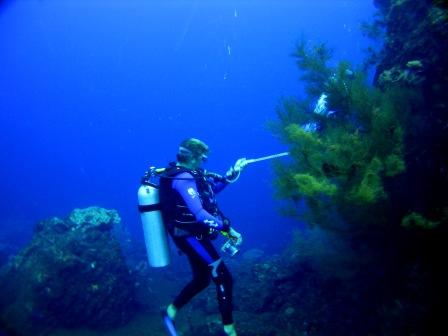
<point x="198" y="162"/>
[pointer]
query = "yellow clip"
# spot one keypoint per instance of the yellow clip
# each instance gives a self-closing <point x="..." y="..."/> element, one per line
<point x="159" y="170"/>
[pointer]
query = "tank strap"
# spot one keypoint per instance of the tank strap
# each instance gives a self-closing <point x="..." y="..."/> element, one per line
<point x="149" y="208"/>
<point x="172" y="171"/>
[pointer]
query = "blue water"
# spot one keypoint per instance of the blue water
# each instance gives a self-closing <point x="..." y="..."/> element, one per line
<point x="93" y="92"/>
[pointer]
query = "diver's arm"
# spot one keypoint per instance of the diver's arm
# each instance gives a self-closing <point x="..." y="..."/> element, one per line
<point x="185" y="185"/>
<point x="217" y="182"/>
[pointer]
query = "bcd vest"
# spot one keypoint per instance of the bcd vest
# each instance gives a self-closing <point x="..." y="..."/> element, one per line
<point x="179" y="220"/>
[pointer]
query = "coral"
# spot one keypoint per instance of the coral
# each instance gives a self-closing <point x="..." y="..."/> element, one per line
<point x="94" y="216"/>
<point x="310" y="186"/>
<point x="412" y="76"/>
<point x="416" y="220"/>
<point x="370" y="189"/>
<point x="416" y="31"/>
<point x="357" y="144"/>
<point x="414" y="55"/>
<point x="416" y="64"/>
<point x="373" y="30"/>
<point x="314" y="59"/>
<point x="394" y="165"/>
<point x="71" y="274"/>
<point x="383" y="148"/>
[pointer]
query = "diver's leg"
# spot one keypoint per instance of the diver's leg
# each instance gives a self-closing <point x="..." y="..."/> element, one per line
<point x="224" y="290"/>
<point x="199" y="266"/>
<point x="205" y="263"/>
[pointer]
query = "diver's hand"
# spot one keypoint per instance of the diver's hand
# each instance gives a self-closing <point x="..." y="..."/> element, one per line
<point x="240" y="164"/>
<point x="215" y="224"/>
<point x="234" y="172"/>
<point x="236" y="236"/>
<point x="226" y="225"/>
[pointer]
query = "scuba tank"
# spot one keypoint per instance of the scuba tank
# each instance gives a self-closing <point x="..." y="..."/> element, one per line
<point x="156" y="239"/>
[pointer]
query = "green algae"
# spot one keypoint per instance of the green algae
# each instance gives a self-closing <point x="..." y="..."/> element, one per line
<point x="355" y="148"/>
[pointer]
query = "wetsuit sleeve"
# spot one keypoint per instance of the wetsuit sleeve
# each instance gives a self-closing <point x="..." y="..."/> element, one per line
<point x="218" y="186"/>
<point x="217" y="182"/>
<point x="185" y="185"/>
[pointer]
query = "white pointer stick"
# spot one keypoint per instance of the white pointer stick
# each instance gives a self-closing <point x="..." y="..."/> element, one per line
<point x="266" y="157"/>
<point x="243" y="162"/>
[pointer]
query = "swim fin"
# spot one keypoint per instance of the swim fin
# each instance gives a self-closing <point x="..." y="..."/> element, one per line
<point x="169" y="324"/>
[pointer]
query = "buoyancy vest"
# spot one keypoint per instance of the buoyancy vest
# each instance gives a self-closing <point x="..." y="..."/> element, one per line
<point x="178" y="218"/>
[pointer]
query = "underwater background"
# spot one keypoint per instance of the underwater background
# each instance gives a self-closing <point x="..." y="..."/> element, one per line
<point x="93" y="93"/>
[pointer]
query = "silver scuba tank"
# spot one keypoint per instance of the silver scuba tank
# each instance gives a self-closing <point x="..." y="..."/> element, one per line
<point x="156" y="239"/>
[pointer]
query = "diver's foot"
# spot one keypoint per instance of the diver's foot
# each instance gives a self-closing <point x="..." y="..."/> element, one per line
<point x="229" y="330"/>
<point x="169" y="324"/>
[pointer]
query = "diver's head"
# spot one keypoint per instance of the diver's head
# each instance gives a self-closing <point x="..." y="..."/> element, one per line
<point x="192" y="153"/>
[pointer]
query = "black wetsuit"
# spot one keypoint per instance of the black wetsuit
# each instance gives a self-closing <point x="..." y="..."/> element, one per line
<point x="193" y="219"/>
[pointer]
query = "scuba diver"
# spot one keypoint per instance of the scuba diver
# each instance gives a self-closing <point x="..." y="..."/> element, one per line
<point x="193" y="219"/>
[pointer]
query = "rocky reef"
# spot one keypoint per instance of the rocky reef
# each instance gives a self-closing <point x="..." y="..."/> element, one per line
<point x="71" y="274"/>
<point x="413" y="50"/>
<point x="414" y="55"/>
<point x="320" y="285"/>
<point x="369" y="163"/>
